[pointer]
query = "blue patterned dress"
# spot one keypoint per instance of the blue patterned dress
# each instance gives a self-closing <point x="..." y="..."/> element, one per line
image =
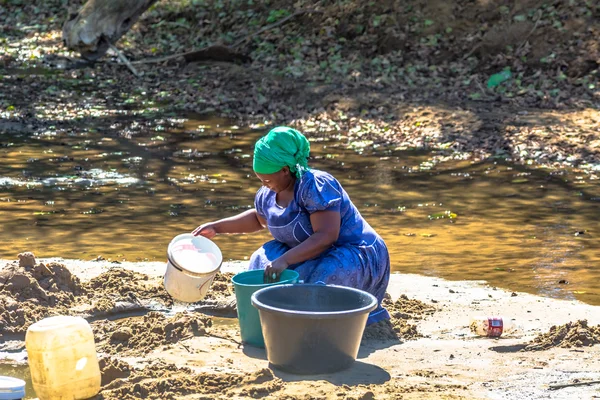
<point x="358" y="259"/>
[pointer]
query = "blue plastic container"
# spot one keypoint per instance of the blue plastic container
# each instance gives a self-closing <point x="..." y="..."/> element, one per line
<point x="245" y="284"/>
<point x="11" y="388"/>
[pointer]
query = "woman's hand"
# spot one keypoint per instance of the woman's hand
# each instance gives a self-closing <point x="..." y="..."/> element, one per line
<point x="207" y="230"/>
<point x="274" y="269"/>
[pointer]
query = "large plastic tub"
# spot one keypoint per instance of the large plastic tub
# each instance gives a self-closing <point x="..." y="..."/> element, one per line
<point x="312" y="329"/>
<point x="245" y="284"/>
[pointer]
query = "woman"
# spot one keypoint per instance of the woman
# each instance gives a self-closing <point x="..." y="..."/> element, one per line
<point x="318" y="231"/>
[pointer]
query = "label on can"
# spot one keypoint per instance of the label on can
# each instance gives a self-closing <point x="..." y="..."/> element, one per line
<point x="495" y="327"/>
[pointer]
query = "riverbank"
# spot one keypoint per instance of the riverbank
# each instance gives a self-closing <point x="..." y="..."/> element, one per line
<point x="440" y="358"/>
<point x="412" y="76"/>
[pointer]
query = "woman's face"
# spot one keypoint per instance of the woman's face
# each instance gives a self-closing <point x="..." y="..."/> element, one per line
<point x="279" y="181"/>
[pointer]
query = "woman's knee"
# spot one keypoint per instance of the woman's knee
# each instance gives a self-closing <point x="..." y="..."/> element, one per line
<point x="257" y="260"/>
<point x="266" y="253"/>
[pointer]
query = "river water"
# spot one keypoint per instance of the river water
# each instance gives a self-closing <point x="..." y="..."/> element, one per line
<point x="124" y="189"/>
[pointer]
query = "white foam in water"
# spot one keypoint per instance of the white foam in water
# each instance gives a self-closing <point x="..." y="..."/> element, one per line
<point x="178" y="307"/>
<point x="93" y="177"/>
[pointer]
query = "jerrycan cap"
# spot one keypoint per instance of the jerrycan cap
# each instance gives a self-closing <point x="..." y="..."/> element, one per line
<point x="11" y="388"/>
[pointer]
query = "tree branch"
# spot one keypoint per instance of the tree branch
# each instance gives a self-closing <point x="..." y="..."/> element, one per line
<point x="222" y="53"/>
<point x="123" y="58"/>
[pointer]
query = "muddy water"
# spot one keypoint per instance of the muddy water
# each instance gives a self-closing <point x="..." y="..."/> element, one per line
<point x="123" y="190"/>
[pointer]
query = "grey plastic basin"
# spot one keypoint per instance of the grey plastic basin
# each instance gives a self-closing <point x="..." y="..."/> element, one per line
<point x="312" y="329"/>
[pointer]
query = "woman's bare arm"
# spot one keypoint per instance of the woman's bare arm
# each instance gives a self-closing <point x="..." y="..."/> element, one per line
<point x="247" y="222"/>
<point x="326" y="227"/>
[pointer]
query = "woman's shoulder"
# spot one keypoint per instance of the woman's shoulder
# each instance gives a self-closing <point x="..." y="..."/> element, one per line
<point x="318" y="187"/>
<point x="261" y="194"/>
<point x="313" y="176"/>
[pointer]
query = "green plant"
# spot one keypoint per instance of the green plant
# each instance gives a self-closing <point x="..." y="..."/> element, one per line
<point x="276" y="15"/>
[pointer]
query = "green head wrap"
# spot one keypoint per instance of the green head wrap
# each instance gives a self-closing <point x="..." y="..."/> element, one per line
<point x="281" y="147"/>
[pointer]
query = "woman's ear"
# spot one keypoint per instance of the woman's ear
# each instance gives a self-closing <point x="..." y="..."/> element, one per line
<point x="286" y="170"/>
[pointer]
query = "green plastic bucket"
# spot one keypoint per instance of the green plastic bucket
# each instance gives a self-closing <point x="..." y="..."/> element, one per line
<point x="245" y="284"/>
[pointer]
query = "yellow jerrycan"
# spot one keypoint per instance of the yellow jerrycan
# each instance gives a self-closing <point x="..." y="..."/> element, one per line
<point x="62" y="359"/>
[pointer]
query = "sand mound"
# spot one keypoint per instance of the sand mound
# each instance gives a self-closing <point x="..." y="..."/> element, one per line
<point x="398" y="327"/>
<point x="124" y="284"/>
<point x="572" y="334"/>
<point x="112" y="369"/>
<point x="16" y="317"/>
<point x="166" y="382"/>
<point x="221" y="288"/>
<point x="405" y="308"/>
<point x="30" y="291"/>
<point x="45" y="284"/>
<point x="139" y="335"/>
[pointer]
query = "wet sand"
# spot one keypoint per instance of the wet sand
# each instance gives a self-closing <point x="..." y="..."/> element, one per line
<point x="427" y="351"/>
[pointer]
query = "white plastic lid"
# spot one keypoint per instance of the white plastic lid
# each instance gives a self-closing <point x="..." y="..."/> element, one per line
<point x="11" y="388"/>
<point x="195" y="254"/>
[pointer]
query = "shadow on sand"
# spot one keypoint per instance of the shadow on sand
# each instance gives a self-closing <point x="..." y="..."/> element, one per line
<point x="360" y="373"/>
<point x="254" y="352"/>
<point x="368" y="346"/>
<point x="509" y="348"/>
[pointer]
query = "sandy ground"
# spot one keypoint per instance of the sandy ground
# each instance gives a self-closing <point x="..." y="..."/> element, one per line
<point x="448" y="361"/>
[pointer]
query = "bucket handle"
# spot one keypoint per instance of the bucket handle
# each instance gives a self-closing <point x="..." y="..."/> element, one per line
<point x="177" y="267"/>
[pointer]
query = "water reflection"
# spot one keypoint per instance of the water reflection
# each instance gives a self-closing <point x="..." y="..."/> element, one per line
<point x="124" y="190"/>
